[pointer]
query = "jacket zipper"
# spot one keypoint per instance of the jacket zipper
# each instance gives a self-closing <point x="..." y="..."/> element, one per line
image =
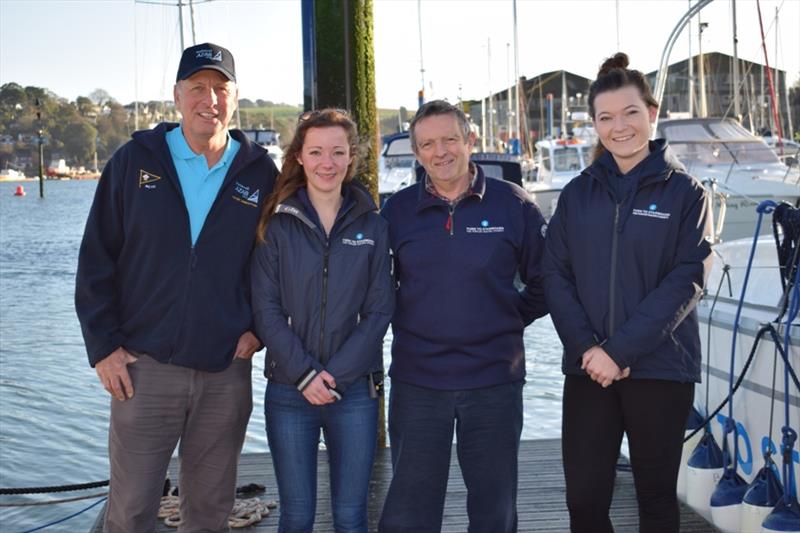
<point x="323" y="358"/>
<point x="613" y="275"/>
<point x="449" y="224"/>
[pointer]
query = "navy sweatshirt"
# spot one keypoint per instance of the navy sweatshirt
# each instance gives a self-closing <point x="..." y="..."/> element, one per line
<point x="459" y="316"/>
<point x="141" y="284"/>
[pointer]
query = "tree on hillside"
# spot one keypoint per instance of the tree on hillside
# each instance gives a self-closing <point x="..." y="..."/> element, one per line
<point x="85" y="106"/>
<point x="12" y="94"/>
<point x="100" y="96"/>
<point x="13" y="102"/>
<point x="79" y="141"/>
<point x="113" y="129"/>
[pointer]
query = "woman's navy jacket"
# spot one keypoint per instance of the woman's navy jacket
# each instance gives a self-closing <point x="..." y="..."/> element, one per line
<point x="323" y="302"/>
<point x="627" y="275"/>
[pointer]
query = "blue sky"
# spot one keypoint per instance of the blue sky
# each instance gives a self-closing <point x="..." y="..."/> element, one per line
<point x="131" y="49"/>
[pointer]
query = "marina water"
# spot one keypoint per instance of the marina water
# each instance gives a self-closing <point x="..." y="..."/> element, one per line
<point x="53" y="411"/>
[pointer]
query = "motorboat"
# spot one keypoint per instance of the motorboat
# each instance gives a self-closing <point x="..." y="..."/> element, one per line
<point x="557" y="161"/>
<point x="748" y="400"/>
<point x="395" y="165"/>
<point x="270" y="140"/>
<point x="739" y="167"/>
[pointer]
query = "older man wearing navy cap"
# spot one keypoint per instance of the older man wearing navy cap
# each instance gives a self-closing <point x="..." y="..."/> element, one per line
<point x="163" y="299"/>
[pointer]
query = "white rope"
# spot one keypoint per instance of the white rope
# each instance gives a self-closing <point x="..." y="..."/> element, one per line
<point x="245" y="512"/>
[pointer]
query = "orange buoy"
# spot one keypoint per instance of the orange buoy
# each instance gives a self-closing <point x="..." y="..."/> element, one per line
<point x="20" y="191"/>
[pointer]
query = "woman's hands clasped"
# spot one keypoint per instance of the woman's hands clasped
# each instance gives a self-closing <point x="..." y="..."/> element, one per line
<point x="601" y="368"/>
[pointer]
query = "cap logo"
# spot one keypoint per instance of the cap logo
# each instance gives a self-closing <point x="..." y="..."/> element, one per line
<point x="207" y="53"/>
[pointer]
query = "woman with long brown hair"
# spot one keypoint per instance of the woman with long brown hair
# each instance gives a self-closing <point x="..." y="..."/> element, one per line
<point x="322" y="297"/>
<point x="627" y="254"/>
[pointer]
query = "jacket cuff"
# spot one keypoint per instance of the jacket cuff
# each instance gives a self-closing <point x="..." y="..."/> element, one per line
<point x="583" y="346"/>
<point x="305" y="379"/>
<point x="621" y="361"/>
<point x="102" y="351"/>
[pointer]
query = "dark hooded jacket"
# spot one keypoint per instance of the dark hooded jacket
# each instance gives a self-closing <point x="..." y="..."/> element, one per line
<point x="141" y="284"/>
<point x="323" y="302"/>
<point x="625" y="271"/>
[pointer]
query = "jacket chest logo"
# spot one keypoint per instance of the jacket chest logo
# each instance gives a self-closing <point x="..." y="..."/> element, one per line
<point x="485" y="227"/>
<point x="651" y="212"/>
<point x="358" y="240"/>
<point x="243" y="194"/>
<point x="147" y="179"/>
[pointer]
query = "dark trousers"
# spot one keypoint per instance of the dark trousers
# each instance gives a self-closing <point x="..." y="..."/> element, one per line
<point x="653" y="415"/>
<point x="488" y="424"/>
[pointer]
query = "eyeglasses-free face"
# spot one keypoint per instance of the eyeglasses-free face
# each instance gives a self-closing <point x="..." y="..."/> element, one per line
<point x="325" y="158"/>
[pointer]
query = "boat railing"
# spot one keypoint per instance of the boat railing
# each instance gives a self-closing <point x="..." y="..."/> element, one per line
<point x="721" y="199"/>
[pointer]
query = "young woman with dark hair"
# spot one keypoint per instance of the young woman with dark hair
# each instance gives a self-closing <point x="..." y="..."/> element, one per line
<point x="627" y="254"/>
<point x="322" y="297"/>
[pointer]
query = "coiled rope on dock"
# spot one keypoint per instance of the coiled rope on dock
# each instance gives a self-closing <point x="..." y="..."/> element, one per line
<point x="245" y="512"/>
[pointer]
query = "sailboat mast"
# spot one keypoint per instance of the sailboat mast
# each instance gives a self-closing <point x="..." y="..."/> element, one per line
<point x="563" y="105"/>
<point x="490" y="118"/>
<point x="421" y="66"/>
<point x="180" y="23"/>
<point x="191" y="19"/>
<point x="508" y="94"/>
<point x="772" y="100"/>
<point x="736" y="105"/>
<point x="702" y="69"/>
<point x="517" y="112"/>
<point x="691" y="68"/>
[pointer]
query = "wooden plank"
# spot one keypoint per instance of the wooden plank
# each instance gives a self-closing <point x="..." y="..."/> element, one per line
<point x="541" y="500"/>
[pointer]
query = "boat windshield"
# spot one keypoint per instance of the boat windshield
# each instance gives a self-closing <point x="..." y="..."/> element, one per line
<point x="564" y="159"/>
<point x="715" y="153"/>
<point x="714" y="143"/>
<point x="401" y="146"/>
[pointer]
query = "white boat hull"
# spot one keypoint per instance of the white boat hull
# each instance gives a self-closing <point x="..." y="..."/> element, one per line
<point x="758" y="416"/>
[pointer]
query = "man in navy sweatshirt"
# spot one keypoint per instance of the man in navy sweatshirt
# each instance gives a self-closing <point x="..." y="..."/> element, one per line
<point x="162" y="295"/>
<point x="459" y="240"/>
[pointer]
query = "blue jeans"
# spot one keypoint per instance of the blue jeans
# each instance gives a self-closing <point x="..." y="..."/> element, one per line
<point x="293" y="430"/>
<point x="488" y="424"/>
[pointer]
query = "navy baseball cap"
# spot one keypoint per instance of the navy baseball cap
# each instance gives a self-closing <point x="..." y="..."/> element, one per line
<point x="206" y="56"/>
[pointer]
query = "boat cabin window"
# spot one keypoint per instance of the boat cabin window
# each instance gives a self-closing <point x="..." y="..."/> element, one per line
<point x="565" y="159"/>
<point x="401" y="146"/>
<point x="263" y="137"/>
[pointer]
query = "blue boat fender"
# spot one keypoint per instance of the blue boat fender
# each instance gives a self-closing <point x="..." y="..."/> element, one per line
<point x="761" y="497"/>
<point x="704" y="469"/>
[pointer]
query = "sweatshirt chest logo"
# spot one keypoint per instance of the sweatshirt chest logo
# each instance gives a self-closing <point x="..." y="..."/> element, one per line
<point x="243" y="194"/>
<point x="358" y="240"/>
<point x="651" y="212"/>
<point x="485" y="227"/>
<point x="147" y="179"/>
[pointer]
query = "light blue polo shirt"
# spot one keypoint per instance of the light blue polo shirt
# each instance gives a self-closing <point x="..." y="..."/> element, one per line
<point x="200" y="184"/>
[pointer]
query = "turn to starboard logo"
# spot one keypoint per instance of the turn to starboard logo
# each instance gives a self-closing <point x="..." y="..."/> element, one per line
<point x="358" y="240"/>
<point x="147" y="179"/>
<point x="651" y="212"/>
<point x="242" y="194"/>
<point x="485" y="227"/>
